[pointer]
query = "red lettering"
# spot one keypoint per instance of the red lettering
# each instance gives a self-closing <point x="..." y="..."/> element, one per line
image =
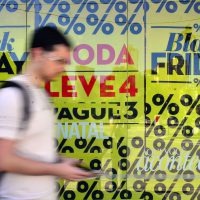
<point x="48" y="89"/>
<point x="88" y="86"/>
<point x="132" y="90"/>
<point x="104" y="87"/>
<point x="67" y="90"/>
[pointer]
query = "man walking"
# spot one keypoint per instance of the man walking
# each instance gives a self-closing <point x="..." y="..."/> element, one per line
<point x="27" y="156"/>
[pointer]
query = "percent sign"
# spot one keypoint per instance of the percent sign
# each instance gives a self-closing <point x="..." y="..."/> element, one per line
<point x="197" y="27"/>
<point x="186" y="100"/>
<point x="120" y="19"/>
<point x="173" y="108"/>
<point x="124" y="152"/>
<point x="170" y="6"/>
<point x="62" y="148"/>
<point x="191" y="4"/>
<point x="62" y="191"/>
<point x="188" y="176"/>
<point x="87" y="146"/>
<point x="111" y="187"/>
<point x="79" y="28"/>
<point x="107" y="28"/>
<point x="92" y="19"/>
<point x="83" y="186"/>
<point x="62" y="6"/>
<point x="197" y="81"/>
<point x="11" y="6"/>
<point x="64" y="19"/>
<point x="30" y="3"/>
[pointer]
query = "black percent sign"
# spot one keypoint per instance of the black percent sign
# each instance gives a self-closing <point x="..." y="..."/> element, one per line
<point x="89" y="190"/>
<point x="112" y="187"/>
<point x="186" y="100"/>
<point x="87" y="145"/>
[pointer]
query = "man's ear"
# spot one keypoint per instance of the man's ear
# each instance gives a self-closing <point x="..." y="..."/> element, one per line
<point x="36" y="53"/>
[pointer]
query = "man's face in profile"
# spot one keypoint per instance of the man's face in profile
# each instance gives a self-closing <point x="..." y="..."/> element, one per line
<point x="54" y="62"/>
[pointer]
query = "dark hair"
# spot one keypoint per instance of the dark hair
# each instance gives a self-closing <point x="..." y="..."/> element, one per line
<point x="48" y="36"/>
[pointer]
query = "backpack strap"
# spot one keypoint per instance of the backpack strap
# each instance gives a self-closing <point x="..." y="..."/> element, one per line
<point x="26" y="107"/>
<point x="26" y="100"/>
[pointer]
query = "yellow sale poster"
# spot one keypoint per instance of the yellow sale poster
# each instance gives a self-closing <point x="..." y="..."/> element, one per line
<point x="128" y="102"/>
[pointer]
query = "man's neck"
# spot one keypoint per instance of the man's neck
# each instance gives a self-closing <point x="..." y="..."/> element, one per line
<point x="34" y="77"/>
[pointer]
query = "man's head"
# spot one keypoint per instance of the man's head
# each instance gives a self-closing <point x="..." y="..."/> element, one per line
<point x="47" y="37"/>
<point x="49" y="52"/>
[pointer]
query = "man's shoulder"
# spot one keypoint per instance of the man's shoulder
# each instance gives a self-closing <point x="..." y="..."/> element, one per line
<point x="21" y="79"/>
<point x="14" y="90"/>
<point x="9" y="87"/>
<point x="15" y="97"/>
